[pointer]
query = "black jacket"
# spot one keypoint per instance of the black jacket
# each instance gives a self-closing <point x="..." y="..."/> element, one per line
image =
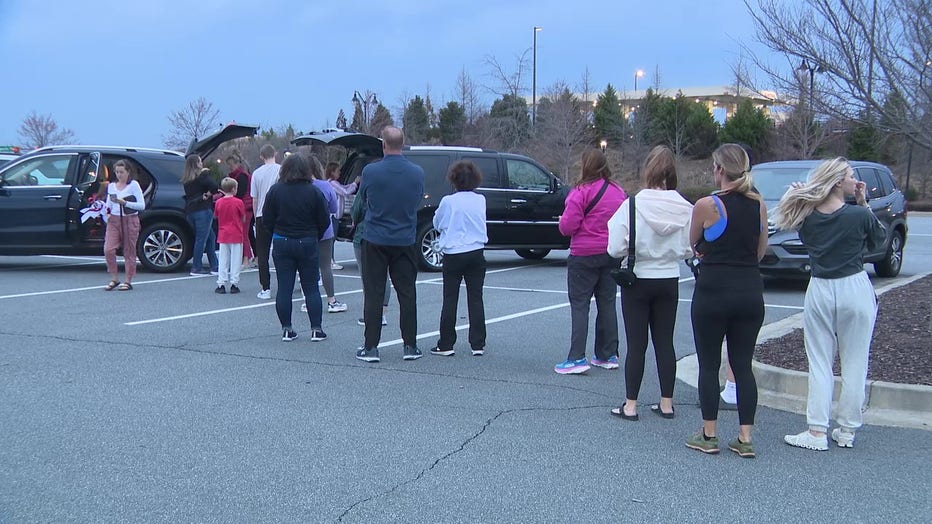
<point x="194" y="193"/>
<point x="295" y="210"/>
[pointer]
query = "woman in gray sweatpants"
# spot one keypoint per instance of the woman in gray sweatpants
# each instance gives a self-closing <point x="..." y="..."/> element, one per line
<point x="840" y="305"/>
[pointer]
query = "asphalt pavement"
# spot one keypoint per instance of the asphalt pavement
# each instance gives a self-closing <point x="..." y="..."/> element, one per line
<point x="171" y="403"/>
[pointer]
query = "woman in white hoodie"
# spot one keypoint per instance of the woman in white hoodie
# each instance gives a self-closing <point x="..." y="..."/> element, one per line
<point x="662" y="218"/>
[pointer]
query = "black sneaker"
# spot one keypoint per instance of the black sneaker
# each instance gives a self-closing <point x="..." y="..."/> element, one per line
<point x="317" y="335"/>
<point x="233" y="289"/>
<point x="220" y="290"/>
<point x="368" y="355"/>
<point x="412" y="353"/>
<point x="441" y="352"/>
<point x="288" y="335"/>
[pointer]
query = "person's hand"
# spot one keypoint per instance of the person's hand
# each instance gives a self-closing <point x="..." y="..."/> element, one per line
<point x="119" y="200"/>
<point x="860" y="189"/>
<point x="358" y="180"/>
<point x="796" y="185"/>
<point x="206" y="195"/>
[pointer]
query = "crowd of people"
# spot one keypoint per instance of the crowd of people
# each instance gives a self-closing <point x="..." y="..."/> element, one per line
<point x="294" y="208"/>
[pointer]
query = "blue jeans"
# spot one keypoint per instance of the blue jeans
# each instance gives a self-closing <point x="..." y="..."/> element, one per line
<point x="204" y="239"/>
<point x="297" y="255"/>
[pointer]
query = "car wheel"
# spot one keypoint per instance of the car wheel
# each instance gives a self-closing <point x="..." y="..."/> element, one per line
<point x="532" y="254"/>
<point x="431" y="258"/>
<point x="891" y="264"/>
<point x="164" y="247"/>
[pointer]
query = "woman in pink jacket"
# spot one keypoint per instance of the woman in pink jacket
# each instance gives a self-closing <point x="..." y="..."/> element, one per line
<point x="590" y="204"/>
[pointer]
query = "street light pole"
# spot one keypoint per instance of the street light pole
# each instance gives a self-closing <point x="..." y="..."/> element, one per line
<point x="534" y="80"/>
<point x="637" y="74"/>
<point x="365" y="102"/>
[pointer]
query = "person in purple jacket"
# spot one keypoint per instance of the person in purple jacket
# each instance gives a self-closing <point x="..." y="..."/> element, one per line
<point x="590" y="204"/>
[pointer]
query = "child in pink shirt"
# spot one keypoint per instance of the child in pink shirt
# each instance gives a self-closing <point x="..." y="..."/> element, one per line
<point x="231" y="219"/>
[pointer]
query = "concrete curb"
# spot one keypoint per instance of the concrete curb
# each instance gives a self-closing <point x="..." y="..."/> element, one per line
<point x="886" y="403"/>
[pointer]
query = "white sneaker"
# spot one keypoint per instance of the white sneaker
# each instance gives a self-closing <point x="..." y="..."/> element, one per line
<point x="304" y="307"/>
<point x="336" y="266"/>
<point x="265" y="294"/>
<point x="808" y="441"/>
<point x="336" y="307"/>
<point x="844" y="439"/>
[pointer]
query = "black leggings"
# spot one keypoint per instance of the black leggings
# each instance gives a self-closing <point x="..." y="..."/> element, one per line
<point x="728" y="303"/>
<point x="650" y="304"/>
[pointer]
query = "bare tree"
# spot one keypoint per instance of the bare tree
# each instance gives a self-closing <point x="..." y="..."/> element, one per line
<point x="42" y="130"/>
<point x="467" y="94"/>
<point x="562" y="129"/>
<point x="864" y="52"/>
<point x="196" y="120"/>
<point x="507" y="82"/>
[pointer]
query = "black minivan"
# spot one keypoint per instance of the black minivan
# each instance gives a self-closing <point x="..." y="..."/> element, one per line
<point x="524" y="200"/>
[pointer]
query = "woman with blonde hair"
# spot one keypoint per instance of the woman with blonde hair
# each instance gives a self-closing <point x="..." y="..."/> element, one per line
<point x="593" y="200"/>
<point x="661" y="227"/>
<point x="728" y="231"/>
<point x="840" y="305"/>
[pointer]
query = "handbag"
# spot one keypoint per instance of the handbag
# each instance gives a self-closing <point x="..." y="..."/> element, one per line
<point x="624" y="276"/>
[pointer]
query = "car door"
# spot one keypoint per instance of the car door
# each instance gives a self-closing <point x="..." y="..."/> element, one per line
<point x="535" y="204"/>
<point x="34" y="199"/>
<point x="496" y="197"/>
<point x="86" y="213"/>
<point x="877" y="199"/>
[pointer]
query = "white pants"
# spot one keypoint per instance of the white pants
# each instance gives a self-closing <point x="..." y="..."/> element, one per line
<point x="839" y="313"/>
<point x="231" y="261"/>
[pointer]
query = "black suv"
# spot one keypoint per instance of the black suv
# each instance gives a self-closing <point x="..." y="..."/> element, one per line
<point x="50" y="200"/>
<point x="523" y="199"/>
<point x="787" y="256"/>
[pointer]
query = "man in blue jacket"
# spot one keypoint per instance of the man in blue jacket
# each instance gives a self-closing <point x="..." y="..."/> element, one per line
<point x="393" y="189"/>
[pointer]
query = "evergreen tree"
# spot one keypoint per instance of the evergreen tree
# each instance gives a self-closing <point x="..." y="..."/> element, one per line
<point x="452" y="124"/>
<point x="648" y="128"/>
<point x="607" y="116"/>
<point x="359" y="119"/>
<point x="509" y="121"/>
<point x="341" y="120"/>
<point x="748" y="125"/>
<point x="381" y="119"/>
<point x="416" y="121"/>
<point x="864" y="143"/>
<point x="701" y="130"/>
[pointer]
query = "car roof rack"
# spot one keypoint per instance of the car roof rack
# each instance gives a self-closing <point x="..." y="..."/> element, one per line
<point x="449" y="148"/>
<point x="109" y="148"/>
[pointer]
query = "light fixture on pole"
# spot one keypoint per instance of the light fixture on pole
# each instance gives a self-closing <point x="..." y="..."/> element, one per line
<point x="534" y="79"/>
<point x="603" y="144"/>
<point x="367" y="102"/>
<point x="637" y="74"/>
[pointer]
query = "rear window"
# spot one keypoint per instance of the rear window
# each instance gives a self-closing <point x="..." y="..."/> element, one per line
<point x="434" y="166"/>
<point x="488" y="166"/>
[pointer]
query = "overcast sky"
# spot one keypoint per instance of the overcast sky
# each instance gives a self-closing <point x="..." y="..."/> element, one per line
<point x="112" y="70"/>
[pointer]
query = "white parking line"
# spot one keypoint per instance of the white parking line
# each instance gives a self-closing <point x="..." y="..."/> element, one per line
<point x="76" y="289"/>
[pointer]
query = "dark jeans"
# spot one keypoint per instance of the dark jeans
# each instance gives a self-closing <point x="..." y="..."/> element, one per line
<point x="378" y="262"/>
<point x="204" y="239"/>
<point x="299" y="255"/>
<point x="650" y="304"/>
<point x="469" y="266"/>
<point x="263" y="247"/>
<point x="728" y="303"/>
<point x="587" y="276"/>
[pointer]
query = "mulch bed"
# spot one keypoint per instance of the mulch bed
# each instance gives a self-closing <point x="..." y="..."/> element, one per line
<point x="901" y="349"/>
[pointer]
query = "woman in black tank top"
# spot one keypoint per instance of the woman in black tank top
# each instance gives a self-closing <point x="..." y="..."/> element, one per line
<point x="728" y="303"/>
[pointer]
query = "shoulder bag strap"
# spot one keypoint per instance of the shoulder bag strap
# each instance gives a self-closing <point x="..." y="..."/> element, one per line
<point x="598" y="196"/>
<point x="631" y="233"/>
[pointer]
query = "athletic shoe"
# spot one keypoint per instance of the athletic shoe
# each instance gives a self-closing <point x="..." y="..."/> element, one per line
<point x="729" y="394"/>
<point x="362" y="321"/>
<point x="699" y="443"/>
<point x="220" y="290"/>
<point x="336" y="266"/>
<point x="368" y="355"/>
<point x="807" y="440"/>
<point x="478" y="352"/>
<point x="611" y="363"/>
<point x="317" y="335"/>
<point x="412" y="353"/>
<point x="743" y="449"/>
<point x="441" y="352"/>
<point x="304" y="307"/>
<point x="265" y="294"/>
<point x="844" y="439"/>
<point x="336" y="307"/>
<point x="233" y="289"/>
<point x="199" y="272"/>
<point x="572" y="367"/>
<point x="288" y="335"/>
<point x="214" y="272"/>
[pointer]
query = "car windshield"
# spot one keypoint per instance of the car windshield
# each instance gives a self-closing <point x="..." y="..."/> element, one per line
<point x="772" y="182"/>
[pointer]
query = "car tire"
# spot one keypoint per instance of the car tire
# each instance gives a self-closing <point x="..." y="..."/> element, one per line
<point x="164" y="247"/>
<point x="890" y="265"/>
<point x="532" y="254"/>
<point x="429" y="258"/>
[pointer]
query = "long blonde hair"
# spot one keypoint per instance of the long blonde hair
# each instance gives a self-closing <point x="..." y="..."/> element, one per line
<point x="192" y="168"/>
<point x="736" y="167"/>
<point x="799" y="202"/>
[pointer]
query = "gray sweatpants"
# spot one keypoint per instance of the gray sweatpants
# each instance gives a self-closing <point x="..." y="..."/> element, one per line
<point x="839" y="313"/>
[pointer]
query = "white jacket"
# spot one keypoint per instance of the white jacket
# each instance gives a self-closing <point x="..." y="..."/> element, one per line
<point x="661" y="236"/>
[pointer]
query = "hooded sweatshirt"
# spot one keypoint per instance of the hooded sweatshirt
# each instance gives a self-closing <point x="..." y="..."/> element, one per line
<point x="588" y="231"/>
<point x="661" y="230"/>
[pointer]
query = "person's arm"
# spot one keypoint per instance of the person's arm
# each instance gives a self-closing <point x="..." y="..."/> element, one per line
<point x="442" y="215"/>
<point x="270" y="210"/>
<point x="358" y="211"/>
<point x="572" y="216"/>
<point x="701" y="212"/>
<point x="762" y="239"/>
<point x="618" y="232"/>
<point x="323" y="215"/>
<point x="208" y="182"/>
<point x="136" y="191"/>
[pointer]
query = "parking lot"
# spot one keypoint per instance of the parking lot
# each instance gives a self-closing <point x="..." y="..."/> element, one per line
<point x="170" y="402"/>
